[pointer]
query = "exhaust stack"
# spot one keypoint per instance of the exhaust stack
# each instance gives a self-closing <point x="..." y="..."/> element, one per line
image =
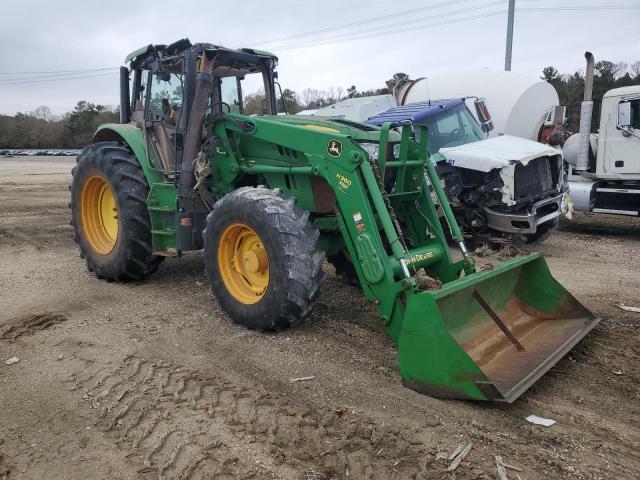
<point x="586" y="112"/>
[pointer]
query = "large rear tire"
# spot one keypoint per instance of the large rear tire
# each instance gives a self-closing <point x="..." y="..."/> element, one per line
<point x="109" y="213"/>
<point x="261" y="258"/>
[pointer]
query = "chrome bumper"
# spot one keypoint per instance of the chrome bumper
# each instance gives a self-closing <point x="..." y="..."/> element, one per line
<point x="522" y="223"/>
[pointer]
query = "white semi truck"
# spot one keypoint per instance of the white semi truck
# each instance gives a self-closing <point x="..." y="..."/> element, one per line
<point x="604" y="168"/>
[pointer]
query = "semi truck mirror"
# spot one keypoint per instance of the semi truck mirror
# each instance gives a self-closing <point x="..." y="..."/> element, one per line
<point x="557" y="115"/>
<point x="483" y="114"/>
<point x="624" y="115"/>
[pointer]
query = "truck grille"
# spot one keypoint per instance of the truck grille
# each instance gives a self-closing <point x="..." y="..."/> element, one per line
<point x="533" y="178"/>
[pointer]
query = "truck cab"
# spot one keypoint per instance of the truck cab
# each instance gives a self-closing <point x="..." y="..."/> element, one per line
<point x="611" y="183"/>
<point x="619" y="135"/>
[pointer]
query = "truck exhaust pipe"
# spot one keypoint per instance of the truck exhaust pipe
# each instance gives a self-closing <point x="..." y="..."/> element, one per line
<point x="586" y="112"/>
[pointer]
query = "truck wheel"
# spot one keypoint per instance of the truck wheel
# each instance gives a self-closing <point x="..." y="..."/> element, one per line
<point x="109" y="213"/>
<point x="261" y="258"/>
<point x="542" y="232"/>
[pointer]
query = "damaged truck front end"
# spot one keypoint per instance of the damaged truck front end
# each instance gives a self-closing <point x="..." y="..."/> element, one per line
<point x="504" y="187"/>
<point x="501" y="189"/>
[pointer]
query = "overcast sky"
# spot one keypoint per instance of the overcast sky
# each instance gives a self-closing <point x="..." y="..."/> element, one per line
<point x="46" y="35"/>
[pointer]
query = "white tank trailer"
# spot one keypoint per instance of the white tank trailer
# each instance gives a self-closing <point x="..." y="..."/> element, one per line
<point x="520" y="105"/>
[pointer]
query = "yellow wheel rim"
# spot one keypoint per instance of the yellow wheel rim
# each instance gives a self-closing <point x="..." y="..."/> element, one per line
<point x="243" y="263"/>
<point x="99" y="215"/>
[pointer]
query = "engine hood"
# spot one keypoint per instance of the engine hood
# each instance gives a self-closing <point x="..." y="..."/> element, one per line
<point x="496" y="152"/>
<point x="362" y="132"/>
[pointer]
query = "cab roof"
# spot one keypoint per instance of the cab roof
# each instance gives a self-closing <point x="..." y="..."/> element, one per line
<point x="184" y="43"/>
<point x="415" y="112"/>
<point x="623" y="91"/>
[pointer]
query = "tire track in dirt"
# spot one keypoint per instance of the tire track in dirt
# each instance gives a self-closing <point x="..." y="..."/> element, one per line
<point x="30" y="324"/>
<point x="181" y="424"/>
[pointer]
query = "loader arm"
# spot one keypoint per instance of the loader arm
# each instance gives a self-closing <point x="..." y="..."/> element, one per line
<point x="483" y="336"/>
<point x="382" y="258"/>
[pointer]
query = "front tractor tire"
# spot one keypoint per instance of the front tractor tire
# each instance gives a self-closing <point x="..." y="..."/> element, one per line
<point x="109" y="213"/>
<point x="261" y="258"/>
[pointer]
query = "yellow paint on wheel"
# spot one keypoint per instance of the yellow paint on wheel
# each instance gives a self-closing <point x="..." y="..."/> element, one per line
<point x="99" y="215"/>
<point x="243" y="263"/>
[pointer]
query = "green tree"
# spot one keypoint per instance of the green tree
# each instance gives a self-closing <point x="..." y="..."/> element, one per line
<point x="291" y="102"/>
<point x="81" y="123"/>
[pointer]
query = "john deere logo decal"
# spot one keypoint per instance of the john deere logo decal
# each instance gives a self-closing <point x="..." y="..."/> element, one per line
<point x="334" y="148"/>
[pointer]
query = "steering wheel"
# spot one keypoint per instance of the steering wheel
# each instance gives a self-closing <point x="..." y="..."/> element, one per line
<point x="223" y="104"/>
<point x="456" y="131"/>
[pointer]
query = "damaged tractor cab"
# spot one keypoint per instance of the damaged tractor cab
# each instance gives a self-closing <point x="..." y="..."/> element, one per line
<point x="266" y="198"/>
<point x="499" y="188"/>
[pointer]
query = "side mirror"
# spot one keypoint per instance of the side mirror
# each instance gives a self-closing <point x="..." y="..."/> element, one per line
<point x="557" y="115"/>
<point x="624" y="114"/>
<point x="483" y="115"/>
<point x="625" y="122"/>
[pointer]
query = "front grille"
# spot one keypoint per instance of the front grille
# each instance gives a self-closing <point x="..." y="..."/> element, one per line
<point x="533" y="178"/>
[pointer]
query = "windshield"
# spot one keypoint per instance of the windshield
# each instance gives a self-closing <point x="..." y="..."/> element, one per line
<point x="244" y="94"/>
<point x="230" y="94"/>
<point x="452" y="128"/>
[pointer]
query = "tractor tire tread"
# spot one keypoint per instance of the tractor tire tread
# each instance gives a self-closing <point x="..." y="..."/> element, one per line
<point x="297" y="241"/>
<point x="132" y="257"/>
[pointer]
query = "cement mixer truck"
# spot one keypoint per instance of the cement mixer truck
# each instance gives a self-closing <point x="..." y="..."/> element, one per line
<point x="604" y="168"/>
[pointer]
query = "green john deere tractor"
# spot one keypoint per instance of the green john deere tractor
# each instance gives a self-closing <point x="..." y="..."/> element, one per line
<point x="266" y="198"/>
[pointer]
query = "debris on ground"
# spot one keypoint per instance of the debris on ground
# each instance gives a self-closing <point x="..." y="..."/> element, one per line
<point x="508" y="251"/>
<point x="313" y="475"/>
<point x="11" y="361"/>
<point x="460" y="454"/>
<point x="501" y="466"/>
<point x="487" y="267"/>
<point x="483" y="250"/>
<point x="502" y="472"/>
<point x="301" y="379"/>
<point x="629" y="309"/>
<point x="617" y="372"/>
<point x="545" y="422"/>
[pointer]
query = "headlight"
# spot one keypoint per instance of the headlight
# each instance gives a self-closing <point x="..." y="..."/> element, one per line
<point x="372" y="149"/>
<point x="396" y="151"/>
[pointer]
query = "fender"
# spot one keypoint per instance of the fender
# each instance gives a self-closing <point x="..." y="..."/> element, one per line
<point x="162" y="195"/>
<point x="131" y="135"/>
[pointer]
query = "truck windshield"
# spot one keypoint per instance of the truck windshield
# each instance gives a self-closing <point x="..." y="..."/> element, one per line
<point x="452" y="128"/>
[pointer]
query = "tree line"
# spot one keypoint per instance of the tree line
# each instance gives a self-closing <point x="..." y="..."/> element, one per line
<point x="40" y="128"/>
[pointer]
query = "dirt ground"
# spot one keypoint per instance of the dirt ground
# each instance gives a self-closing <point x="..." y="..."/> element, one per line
<point x="151" y="380"/>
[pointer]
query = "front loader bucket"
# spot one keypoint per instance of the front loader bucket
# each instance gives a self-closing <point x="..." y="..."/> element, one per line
<point x="490" y="335"/>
